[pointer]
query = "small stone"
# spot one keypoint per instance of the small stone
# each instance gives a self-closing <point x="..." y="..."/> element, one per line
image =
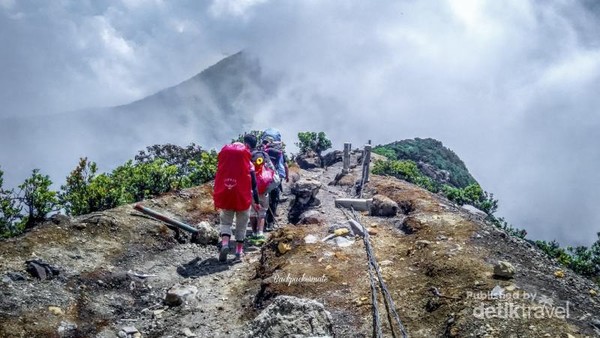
<point x="422" y="243"/>
<point x="559" y="274"/>
<point x="310" y="239"/>
<point x="372" y="231"/>
<point x="137" y="335"/>
<point x="497" y="292"/>
<point x="283" y="247"/>
<point x="129" y="330"/>
<point x="386" y="263"/>
<point x="341" y="231"/>
<point x="55" y="310"/>
<point x="593" y="292"/>
<point x="511" y="288"/>
<point x="79" y="226"/>
<point x="67" y="329"/>
<point x="188" y="333"/>
<point x="343" y="242"/>
<point x="15" y="276"/>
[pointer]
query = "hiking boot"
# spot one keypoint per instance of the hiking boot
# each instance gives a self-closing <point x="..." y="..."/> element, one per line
<point x="238" y="256"/>
<point x="223" y="253"/>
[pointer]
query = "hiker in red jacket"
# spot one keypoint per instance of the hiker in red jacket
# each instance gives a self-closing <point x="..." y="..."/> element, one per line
<point x="235" y="189"/>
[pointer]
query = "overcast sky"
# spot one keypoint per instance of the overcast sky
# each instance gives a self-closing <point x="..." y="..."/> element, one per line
<point x="511" y="86"/>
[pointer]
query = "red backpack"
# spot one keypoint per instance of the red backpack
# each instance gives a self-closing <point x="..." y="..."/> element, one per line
<point x="233" y="184"/>
<point x="266" y="178"/>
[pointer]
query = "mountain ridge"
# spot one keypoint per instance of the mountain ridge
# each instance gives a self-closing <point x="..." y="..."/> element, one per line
<point x="431" y="244"/>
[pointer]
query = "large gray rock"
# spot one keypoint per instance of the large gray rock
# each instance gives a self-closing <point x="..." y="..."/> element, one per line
<point x="471" y="209"/>
<point x="312" y="217"/>
<point x="290" y="316"/>
<point x="383" y="206"/>
<point x="180" y="294"/>
<point x="308" y="161"/>
<point x="207" y="234"/>
<point x="504" y="269"/>
<point x="305" y="192"/>
<point x="333" y="157"/>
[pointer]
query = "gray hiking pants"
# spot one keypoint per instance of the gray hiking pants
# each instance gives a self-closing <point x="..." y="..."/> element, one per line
<point x="241" y="223"/>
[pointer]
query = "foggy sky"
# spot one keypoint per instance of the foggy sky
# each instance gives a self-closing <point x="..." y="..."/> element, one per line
<point x="511" y="86"/>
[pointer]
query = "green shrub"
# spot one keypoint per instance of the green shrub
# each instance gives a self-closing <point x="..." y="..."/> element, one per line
<point x="37" y="198"/>
<point x="473" y="195"/>
<point x="311" y="141"/>
<point x="405" y="170"/>
<point x="10" y="211"/>
<point x="501" y="223"/>
<point x="582" y="260"/>
<point x="145" y="180"/>
<point x="204" y="170"/>
<point x="181" y="157"/>
<point x="86" y="192"/>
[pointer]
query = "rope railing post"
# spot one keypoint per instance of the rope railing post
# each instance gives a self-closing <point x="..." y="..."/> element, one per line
<point x="346" y="158"/>
<point x="366" y="162"/>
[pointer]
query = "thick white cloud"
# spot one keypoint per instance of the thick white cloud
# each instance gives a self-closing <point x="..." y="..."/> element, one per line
<point x="511" y="86"/>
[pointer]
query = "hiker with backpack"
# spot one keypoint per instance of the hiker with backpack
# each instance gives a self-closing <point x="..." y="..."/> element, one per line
<point x="273" y="146"/>
<point x="267" y="180"/>
<point x="234" y="193"/>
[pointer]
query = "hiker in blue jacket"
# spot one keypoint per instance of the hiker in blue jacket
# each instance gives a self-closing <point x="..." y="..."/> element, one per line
<point x="273" y="146"/>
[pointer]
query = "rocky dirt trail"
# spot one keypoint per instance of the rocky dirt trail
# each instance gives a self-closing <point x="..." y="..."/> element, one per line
<point x="116" y="268"/>
<point x="123" y="274"/>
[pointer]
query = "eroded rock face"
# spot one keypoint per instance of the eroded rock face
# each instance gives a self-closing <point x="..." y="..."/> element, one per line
<point x="333" y="157"/>
<point x="308" y="161"/>
<point x="305" y="197"/>
<point x="290" y="316"/>
<point x="438" y="175"/>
